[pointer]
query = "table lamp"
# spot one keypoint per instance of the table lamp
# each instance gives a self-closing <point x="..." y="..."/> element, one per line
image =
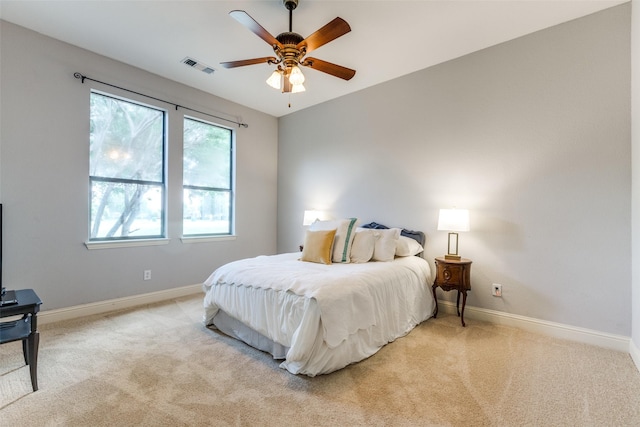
<point x="311" y="216"/>
<point x="453" y="220"/>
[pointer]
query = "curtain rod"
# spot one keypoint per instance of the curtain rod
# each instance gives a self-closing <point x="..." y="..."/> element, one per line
<point x="83" y="78"/>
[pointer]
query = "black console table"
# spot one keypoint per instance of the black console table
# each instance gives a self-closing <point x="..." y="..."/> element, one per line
<point x="25" y="329"/>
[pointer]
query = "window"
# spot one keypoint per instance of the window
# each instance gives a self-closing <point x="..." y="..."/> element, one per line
<point x="127" y="170"/>
<point x="207" y="179"/>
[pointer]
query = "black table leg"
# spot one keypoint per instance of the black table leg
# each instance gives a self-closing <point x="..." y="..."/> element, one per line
<point x="34" y="342"/>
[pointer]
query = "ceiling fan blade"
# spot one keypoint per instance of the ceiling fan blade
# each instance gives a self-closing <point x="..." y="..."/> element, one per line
<point x="243" y="62"/>
<point x="334" y="29"/>
<point x="243" y="17"/>
<point x="329" y="68"/>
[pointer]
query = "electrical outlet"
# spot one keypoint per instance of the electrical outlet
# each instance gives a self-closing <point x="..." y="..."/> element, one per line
<point x="146" y="275"/>
<point x="496" y="290"/>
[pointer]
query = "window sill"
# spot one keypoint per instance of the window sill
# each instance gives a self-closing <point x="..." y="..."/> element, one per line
<point x="206" y="239"/>
<point x="126" y="243"/>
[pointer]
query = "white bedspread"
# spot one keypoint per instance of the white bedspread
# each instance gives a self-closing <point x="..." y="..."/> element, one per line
<point x="305" y="306"/>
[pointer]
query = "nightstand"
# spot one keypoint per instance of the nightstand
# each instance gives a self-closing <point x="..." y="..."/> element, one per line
<point x="453" y="274"/>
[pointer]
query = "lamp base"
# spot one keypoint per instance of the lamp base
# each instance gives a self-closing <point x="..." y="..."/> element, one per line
<point x="455" y="257"/>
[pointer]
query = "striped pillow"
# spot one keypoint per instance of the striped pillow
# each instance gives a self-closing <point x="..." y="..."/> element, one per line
<point x="345" y="232"/>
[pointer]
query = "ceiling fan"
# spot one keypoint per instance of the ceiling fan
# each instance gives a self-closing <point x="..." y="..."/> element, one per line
<point x="291" y="48"/>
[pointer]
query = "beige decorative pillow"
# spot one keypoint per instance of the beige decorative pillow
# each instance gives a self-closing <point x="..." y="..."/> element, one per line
<point x="363" y="245"/>
<point x="318" y="246"/>
<point x="385" y="248"/>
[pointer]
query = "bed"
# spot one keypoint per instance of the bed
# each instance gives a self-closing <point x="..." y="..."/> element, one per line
<point x="321" y="315"/>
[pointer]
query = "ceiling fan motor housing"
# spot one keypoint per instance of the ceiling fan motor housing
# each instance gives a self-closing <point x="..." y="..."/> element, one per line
<point x="289" y="53"/>
<point x="289" y="38"/>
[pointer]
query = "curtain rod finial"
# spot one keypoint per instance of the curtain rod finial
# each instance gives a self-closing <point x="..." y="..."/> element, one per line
<point x="79" y="76"/>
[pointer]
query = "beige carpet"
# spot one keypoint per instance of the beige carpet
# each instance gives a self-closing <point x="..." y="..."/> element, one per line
<point x="158" y="366"/>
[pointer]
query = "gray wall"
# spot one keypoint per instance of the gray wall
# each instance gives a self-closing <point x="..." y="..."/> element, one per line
<point x="44" y="178"/>
<point x="533" y="136"/>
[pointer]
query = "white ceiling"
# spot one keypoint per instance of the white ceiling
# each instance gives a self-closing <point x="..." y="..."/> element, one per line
<point x="388" y="39"/>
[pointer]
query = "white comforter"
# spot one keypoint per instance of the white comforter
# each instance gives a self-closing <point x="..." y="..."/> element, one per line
<point x="326" y="315"/>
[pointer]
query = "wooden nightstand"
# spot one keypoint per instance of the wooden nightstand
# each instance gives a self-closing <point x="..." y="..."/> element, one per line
<point x="453" y="274"/>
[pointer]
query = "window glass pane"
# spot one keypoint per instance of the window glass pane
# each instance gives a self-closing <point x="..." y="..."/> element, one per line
<point x="126" y="140"/>
<point x="207" y="155"/>
<point x="127" y="143"/>
<point x="207" y="179"/>
<point x="120" y="210"/>
<point x="206" y="212"/>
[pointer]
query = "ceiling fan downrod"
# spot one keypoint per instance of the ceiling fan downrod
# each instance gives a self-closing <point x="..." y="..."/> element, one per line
<point x="290" y="5"/>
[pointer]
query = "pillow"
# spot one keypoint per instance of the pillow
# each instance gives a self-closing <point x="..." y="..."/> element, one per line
<point x="406" y="246"/>
<point x="385" y="247"/>
<point x="345" y="232"/>
<point x="317" y="246"/>
<point x="363" y="245"/>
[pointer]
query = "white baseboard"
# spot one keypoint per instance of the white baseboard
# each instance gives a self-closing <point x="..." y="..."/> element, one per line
<point x="557" y="330"/>
<point x="50" y="316"/>
<point x="635" y="353"/>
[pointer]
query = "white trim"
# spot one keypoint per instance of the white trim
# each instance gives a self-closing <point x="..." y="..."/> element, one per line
<point x="126" y="243"/>
<point x="635" y="354"/>
<point x="557" y="330"/>
<point x="57" y="315"/>
<point x="206" y="239"/>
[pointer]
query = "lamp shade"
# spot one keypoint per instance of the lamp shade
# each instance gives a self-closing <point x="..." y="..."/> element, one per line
<point x="296" y="77"/>
<point x="311" y="216"/>
<point x="453" y="220"/>
<point x="274" y="79"/>
<point x="297" y="88"/>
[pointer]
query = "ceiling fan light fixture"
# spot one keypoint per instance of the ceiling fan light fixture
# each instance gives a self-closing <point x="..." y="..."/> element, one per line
<point x="297" y="88"/>
<point x="296" y="77"/>
<point x="275" y="80"/>
<point x="290" y="50"/>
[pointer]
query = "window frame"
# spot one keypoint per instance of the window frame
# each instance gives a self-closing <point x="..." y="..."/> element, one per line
<point x="101" y="242"/>
<point x="231" y="191"/>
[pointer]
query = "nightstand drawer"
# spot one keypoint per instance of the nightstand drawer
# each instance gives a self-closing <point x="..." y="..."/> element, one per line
<point x="450" y="273"/>
<point x="453" y="274"/>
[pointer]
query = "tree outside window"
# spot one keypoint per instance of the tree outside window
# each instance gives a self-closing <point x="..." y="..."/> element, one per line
<point x="127" y="170"/>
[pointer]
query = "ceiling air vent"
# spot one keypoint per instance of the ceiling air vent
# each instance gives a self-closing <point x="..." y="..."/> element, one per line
<point x="198" y="65"/>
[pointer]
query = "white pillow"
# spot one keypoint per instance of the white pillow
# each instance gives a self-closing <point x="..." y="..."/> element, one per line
<point x="345" y="232"/>
<point x="406" y="246"/>
<point x="363" y="244"/>
<point x="385" y="247"/>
